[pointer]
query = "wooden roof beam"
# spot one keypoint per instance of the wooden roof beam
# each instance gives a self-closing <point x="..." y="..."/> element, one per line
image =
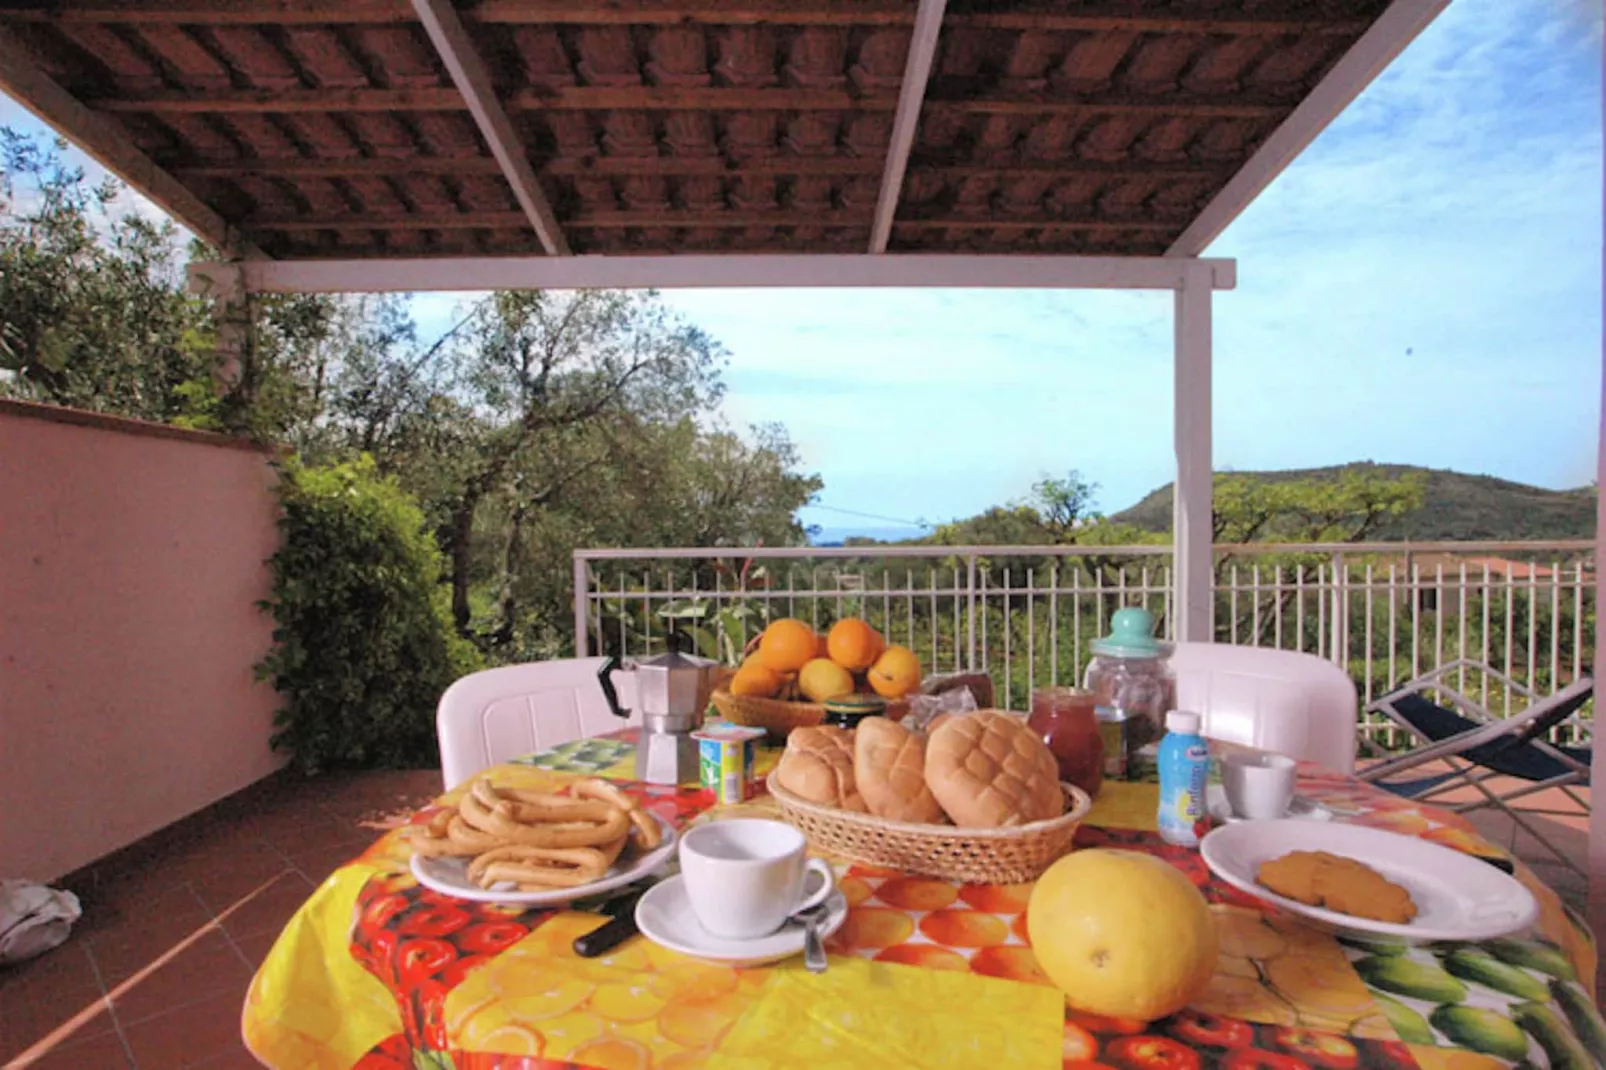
<point x="456" y="49"/>
<point x="680" y="219"/>
<point x="1396" y="28"/>
<point x="906" y="121"/>
<point x="1101" y="18"/>
<point x="595" y="98"/>
<point x="108" y="145"/>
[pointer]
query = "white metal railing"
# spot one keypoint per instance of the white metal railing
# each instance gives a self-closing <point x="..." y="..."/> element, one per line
<point x="1386" y="612"/>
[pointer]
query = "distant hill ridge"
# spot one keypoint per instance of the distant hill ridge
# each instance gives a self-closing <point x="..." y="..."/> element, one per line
<point x="1455" y="506"/>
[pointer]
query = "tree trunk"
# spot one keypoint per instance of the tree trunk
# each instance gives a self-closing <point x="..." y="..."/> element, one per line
<point x="462" y="560"/>
<point x="510" y="559"/>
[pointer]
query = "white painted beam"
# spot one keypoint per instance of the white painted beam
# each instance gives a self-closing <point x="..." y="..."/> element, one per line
<point x="105" y="142"/>
<point x="1396" y="28"/>
<point x="906" y="121"/>
<point x="1194" y="571"/>
<point x="456" y="49"/>
<point x="696" y="272"/>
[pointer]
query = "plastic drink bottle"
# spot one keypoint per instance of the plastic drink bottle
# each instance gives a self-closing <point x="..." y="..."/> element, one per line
<point x="1184" y="762"/>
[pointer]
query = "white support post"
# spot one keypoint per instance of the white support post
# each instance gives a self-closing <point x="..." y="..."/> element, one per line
<point x="1597" y="815"/>
<point x="911" y="97"/>
<point x="1191" y="506"/>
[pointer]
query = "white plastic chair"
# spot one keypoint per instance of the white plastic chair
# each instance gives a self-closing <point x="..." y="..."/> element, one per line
<point x="1282" y="701"/>
<point x="491" y="716"/>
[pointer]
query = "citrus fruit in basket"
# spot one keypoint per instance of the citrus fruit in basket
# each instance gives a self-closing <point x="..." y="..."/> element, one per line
<point x="822" y="679"/>
<point x="1122" y="934"/>
<point x="755" y="678"/>
<point x="853" y="644"/>
<point x="895" y="673"/>
<point x="787" y="645"/>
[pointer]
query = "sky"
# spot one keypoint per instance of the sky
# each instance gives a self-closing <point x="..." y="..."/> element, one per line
<point x="1422" y="286"/>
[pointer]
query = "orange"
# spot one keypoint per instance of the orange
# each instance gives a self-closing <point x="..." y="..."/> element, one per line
<point x="895" y="673"/>
<point x="787" y="645"/>
<point x="853" y="644"/>
<point x="755" y="678"/>
<point x="1122" y="934"/>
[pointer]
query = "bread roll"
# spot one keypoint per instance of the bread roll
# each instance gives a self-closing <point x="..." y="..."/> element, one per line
<point x="818" y="766"/>
<point x="989" y="770"/>
<point x="889" y="766"/>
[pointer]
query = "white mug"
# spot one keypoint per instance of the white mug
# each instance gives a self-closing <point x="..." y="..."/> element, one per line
<point x="745" y="876"/>
<point x="1259" y="786"/>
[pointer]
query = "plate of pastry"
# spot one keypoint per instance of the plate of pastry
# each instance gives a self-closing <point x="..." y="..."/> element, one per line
<point x="1363" y="881"/>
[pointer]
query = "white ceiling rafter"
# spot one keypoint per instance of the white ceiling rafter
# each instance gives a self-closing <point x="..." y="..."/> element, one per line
<point x="803" y="270"/>
<point x="1393" y="31"/>
<point x="107" y="143"/>
<point x="456" y="49"/>
<point x="906" y="121"/>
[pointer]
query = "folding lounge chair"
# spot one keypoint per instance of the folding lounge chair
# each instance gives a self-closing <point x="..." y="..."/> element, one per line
<point x="1471" y="746"/>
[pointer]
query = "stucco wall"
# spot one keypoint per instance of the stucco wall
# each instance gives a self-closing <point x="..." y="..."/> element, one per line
<point x="131" y="561"/>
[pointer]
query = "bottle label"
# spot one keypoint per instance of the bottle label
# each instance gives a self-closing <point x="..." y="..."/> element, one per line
<point x="1183" y="782"/>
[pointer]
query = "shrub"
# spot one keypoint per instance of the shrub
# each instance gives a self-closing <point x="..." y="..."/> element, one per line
<point x="364" y="643"/>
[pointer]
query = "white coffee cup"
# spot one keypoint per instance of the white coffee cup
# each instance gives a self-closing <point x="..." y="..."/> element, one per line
<point x="745" y="876"/>
<point x="1259" y="786"/>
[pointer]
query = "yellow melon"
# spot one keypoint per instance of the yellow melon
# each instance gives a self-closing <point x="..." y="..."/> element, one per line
<point x="1122" y="934"/>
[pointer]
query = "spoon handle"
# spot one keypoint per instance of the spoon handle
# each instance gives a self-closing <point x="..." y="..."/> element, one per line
<point x="813" y="946"/>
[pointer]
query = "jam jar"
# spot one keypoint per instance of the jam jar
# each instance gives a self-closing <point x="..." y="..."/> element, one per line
<point x="1133" y="688"/>
<point x="1066" y="719"/>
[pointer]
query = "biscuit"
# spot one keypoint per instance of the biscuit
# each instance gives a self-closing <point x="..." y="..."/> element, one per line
<point x="1333" y="882"/>
<point x="989" y="770"/>
<point x="889" y="767"/>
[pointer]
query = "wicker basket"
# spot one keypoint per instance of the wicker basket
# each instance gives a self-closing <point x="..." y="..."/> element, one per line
<point x="778" y="716"/>
<point x="971" y="856"/>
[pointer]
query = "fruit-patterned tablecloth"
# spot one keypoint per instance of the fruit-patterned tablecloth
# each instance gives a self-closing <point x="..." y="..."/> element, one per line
<point x="376" y="973"/>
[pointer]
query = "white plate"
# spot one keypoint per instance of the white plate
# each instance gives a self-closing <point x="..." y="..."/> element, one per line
<point x="449" y="876"/>
<point x="1300" y="808"/>
<point x="665" y="917"/>
<point x="1457" y="896"/>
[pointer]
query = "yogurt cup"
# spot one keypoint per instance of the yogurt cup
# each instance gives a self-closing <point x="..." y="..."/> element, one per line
<point x="726" y="760"/>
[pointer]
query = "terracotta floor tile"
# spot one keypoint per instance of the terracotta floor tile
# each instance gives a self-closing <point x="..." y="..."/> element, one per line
<point x="256" y="948"/>
<point x="103" y="1052"/>
<point x="187" y="1036"/>
<point x="206" y="968"/>
<point x="238" y="877"/>
<point x="269" y="909"/>
<point x="149" y="933"/>
<point x="231" y="1060"/>
<point x="44" y="994"/>
<point x="318" y="863"/>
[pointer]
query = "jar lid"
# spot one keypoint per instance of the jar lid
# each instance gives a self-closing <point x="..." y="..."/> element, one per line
<point x="1131" y="636"/>
<point x="856" y="705"/>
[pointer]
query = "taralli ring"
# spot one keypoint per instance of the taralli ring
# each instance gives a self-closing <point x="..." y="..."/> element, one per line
<point x="646" y="832"/>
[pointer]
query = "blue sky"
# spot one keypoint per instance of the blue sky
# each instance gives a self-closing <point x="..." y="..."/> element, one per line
<point x="1422" y="286"/>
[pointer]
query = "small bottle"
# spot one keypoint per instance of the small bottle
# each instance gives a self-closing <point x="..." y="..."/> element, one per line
<point x="1184" y="762"/>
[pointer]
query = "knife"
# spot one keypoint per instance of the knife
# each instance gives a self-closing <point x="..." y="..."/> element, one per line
<point x="620" y="926"/>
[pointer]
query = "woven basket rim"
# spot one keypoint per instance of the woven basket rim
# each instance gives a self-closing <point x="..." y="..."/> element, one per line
<point x="1082" y="804"/>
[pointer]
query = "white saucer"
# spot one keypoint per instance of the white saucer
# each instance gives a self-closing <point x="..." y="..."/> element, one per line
<point x="1300" y="809"/>
<point x="665" y="917"/>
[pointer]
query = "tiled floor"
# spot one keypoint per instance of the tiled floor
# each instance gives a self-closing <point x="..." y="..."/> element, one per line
<point x="155" y="974"/>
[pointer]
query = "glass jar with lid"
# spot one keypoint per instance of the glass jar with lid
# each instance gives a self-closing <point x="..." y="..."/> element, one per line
<point x="1133" y="687"/>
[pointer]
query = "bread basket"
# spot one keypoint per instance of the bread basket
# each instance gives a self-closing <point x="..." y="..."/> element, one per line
<point x="969" y="855"/>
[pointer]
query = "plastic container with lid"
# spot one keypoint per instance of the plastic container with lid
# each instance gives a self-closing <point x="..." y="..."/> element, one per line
<point x="1133" y="688"/>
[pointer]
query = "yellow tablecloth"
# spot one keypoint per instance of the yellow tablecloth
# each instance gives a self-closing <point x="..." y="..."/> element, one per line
<point x="377" y="973"/>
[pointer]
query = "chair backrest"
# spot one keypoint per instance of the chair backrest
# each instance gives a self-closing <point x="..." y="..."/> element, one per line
<point x="491" y="716"/>
<point x="1276" y="700"/>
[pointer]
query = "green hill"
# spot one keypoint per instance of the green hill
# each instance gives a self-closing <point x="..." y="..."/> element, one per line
<point x="1456" y="506"/>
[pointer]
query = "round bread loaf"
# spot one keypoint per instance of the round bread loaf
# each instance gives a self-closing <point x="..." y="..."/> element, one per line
<point x="989" y="770"/>
<point x="817" y="765"/>
<point x="889" y="766"/>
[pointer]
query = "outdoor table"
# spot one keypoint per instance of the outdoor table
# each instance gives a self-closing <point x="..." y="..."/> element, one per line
<point x="375" y="971"/>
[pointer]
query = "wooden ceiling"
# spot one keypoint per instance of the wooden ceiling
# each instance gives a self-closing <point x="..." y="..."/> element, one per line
<point x="339" y="128"/>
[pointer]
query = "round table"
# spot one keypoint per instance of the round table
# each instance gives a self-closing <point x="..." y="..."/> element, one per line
<point x="377" y="973"/>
